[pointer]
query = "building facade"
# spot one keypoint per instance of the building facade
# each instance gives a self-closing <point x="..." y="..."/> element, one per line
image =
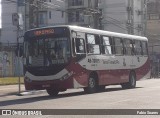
<point x="8" y="41"/>
<point x="83" y="13"/>
<point x="153" y="23"/>
<point x="153" y="33"/>
<point x="58" y="12"/>
<point x="124" y="16"/>
<point x="41" y="13"/>
<point x="8" y="30"/>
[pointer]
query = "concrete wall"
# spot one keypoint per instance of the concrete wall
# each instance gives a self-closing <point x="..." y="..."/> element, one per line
<point x="8" y="32"/>
<point x="9" y="63"/>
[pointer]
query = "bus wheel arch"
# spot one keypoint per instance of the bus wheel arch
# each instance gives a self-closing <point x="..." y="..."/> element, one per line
<point x="132" y="81"/>
<point x="92" y="83"/>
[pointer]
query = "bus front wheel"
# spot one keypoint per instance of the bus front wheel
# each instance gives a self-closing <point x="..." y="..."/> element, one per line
<point x="131" y="83"/>
<point x="92" y="85"/>
<point x="52" y="92"/>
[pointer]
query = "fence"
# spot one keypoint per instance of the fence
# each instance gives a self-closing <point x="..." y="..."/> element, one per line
<point x="9" y="61"/>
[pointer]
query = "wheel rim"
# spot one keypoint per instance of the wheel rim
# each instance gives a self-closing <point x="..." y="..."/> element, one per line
<point x="133" y="80"/>
<point x="91" y="83"/>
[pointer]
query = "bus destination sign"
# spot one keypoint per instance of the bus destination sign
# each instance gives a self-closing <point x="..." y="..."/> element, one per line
<point x="43" y="32"/>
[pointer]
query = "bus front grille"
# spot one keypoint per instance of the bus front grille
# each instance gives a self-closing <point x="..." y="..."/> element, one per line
<point x="38" y="61"/>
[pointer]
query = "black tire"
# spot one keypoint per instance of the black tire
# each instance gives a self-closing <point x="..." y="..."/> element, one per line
<point x="52" y="92"/>
<point x="92" y="85"/>
<point x="131" y="83"/>
<point x="101" y="88"/>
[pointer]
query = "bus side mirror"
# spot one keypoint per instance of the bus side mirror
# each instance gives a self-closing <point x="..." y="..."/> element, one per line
<point x="19" y="51"/>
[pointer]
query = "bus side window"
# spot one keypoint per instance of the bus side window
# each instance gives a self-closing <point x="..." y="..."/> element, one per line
<point x="112" y="40"/>
<point x="118" y="46"/>
<point x="141" y="48"/>
<point x="138" y="48"/>
<point x="132" y="46"/>
<point x="80" y="45"/>
<point x="106" y="48"/>
<point x="127" y="48"/>
<point x="93" y="44"/>
<point x="123" y="46"/>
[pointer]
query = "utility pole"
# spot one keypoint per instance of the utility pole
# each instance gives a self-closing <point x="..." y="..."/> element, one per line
<point x="100" y="19"/>
<point x="94" y="12"/>
<point x="130" y="17"/>
<point x="145" y="17"/>
<point x="15" y="21"/>
<point x="33" y="13"/>
<point x="96" y="15"/>
<point x="37" y="13"/>
<point x="26" y="15"/>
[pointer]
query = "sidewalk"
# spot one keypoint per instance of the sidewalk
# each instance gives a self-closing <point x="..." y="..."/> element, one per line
<point x="6" y="90"/>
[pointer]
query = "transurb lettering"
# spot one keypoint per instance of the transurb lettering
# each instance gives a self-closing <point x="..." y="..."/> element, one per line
<point x="111" y="62"/>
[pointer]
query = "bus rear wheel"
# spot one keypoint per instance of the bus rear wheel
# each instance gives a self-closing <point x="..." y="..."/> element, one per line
<point x="92" y="85"/>
<point x="52" y="92"/>
<point x="131" y="83"/>
<point x="101" y="88"/>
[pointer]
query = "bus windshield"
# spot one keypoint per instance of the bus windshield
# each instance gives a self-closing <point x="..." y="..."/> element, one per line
<point x="47" y="51"/>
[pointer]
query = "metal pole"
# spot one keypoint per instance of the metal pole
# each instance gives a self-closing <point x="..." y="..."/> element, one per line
<point x="19" y="79"/>
<point x="18" y="68"/>
<point x="96" y="15"/>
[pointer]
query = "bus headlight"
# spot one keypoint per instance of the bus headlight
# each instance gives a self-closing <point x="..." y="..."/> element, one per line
<point x="27" y="79"/>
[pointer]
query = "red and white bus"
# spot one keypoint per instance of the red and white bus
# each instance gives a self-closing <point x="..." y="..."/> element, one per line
<point x="63" y="57"/>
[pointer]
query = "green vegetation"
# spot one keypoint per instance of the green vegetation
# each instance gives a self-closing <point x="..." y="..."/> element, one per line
<point x="11" y="80"/>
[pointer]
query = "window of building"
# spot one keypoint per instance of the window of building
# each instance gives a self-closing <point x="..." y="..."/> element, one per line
<point x="75" y="2"/>
<point x="62" y="14"/>
<point x="93" y="44"/>
<point x="76" y="16"/>
<point x="106" y="48"/>
<point x="42" y="18"/>
<point x="21" y="2"/>
<point x="50" y="14"/>
<point x="154" y="16"/>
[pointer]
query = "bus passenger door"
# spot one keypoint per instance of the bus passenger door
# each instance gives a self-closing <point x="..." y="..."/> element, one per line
<point x="80" y="49"/>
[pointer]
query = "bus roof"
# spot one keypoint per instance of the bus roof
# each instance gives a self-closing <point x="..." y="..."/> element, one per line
<point x="107" y="33"/>
<point x="96" y="31"/>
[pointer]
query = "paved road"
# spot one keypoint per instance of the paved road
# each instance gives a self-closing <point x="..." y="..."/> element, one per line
<point x="145" y="96"/>
<point x="10" y="90"/>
